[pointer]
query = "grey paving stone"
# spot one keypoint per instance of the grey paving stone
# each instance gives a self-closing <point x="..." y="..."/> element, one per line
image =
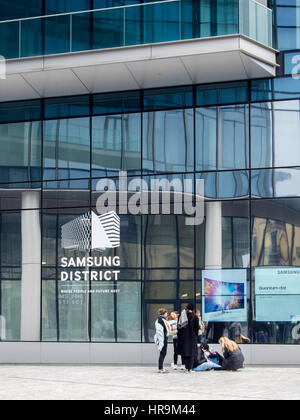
<point x="144" y="383"/>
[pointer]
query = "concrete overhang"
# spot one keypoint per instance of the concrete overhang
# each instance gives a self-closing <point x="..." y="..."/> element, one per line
<point x="197" y="61"/>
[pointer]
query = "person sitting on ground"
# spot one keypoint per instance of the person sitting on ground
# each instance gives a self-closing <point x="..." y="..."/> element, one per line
<point x="233" y="356"/>
<point x="208" y="360"/>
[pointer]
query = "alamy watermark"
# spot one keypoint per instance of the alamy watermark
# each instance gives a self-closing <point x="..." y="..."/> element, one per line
<point x="158" y="196"/>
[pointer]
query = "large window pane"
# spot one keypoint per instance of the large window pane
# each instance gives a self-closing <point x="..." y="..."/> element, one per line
<point x="49" y="311"/>
<point x="20" y="158"/>
<point x="283" y="182"/>
<point x="275" y="232"/>
<point x="67" y="148"/>
<point x="168" y="242"/>
<point x="10" y="239"/>
<point x="10" y="310"/>
<point x="225" y="185"/>
<point x="66" y="302"/>
<point x="116" y="143"/>
<point x="275" y="132"/>
<point x="129" y="312"/>
<point x="116" y="312"/>
<point x="108" y="28"/>
<point x="168" y="141"/>
<point x="9" y="43"/>
<point x="161" y="22"/>
<point x="222" y="138"/>
<point x="31" y="37"/>
<point x="20" y="272"/>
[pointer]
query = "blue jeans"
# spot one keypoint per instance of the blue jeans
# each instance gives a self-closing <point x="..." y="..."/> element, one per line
<point x="207" y="366"/>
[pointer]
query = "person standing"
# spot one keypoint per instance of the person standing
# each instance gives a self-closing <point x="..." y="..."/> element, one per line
<point x="188" y="329"/>
<point x="163" y="330"/>
<point x="173" y="321"/>
<point x="202" y="329"/>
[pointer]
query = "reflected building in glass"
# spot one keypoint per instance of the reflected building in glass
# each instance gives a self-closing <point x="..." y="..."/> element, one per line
<point x="206" y="92"/>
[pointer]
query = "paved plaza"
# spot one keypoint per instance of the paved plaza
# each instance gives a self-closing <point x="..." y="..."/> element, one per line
<point x="143" y="383"/>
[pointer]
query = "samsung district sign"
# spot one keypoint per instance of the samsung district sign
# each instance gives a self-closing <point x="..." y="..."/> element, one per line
<point x="86" y="233"/>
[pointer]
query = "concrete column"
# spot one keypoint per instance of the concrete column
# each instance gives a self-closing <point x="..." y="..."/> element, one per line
<point x="31" y="267"/>
<point x="213" y="235"/>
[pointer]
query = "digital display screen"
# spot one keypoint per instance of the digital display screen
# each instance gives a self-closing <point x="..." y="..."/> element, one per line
<point x="224" y="295"/>
<point x="277" y="294"/>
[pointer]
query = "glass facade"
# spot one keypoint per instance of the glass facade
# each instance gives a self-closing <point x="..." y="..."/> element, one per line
<point x="130" y="24"/>
<point x="239" y="138"/>
<point x="286" y="18"/>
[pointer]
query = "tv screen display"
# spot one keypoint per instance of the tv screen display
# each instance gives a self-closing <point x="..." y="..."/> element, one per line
<point x="224" y="295"/>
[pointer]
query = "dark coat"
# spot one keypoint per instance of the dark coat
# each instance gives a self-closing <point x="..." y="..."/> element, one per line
<point x="200" y="358"/>
<point x="233" y="360"/>
<point x="188" y="337"/>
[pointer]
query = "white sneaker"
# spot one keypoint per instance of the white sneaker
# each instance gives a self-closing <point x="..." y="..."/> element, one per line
<point x="189" y="371"/>
<point x="163" y="371"/>
<point x="182" y="367"/>
<point x="173" y="366"/>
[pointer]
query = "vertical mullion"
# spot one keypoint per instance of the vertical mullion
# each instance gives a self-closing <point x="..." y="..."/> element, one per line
<point x="56" y="278"/>
<point x="142" y="306"/>
<point x="90" y="207"/>
<point x="195" y="190"/>
<point x="251" y="225"/>
<point x="42" y="104"/>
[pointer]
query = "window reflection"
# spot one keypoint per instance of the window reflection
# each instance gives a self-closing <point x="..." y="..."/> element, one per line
<point x="20" y="157"/>
<point x="222" y="137"/>
<point x="67" y="148"/>
<point x="116" y="143"/>
<point x="275" y="131"/>
<point x="162" y="259"/>
<point x="168" y="141"/>
<point x="275" y="234"/>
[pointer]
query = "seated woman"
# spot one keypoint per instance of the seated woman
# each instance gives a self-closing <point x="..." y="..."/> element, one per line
<point x="207" y="360"/>
<point x="233" y="356"/>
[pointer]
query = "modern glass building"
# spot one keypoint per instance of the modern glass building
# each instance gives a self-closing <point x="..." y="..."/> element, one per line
<point x="205" y="92"/>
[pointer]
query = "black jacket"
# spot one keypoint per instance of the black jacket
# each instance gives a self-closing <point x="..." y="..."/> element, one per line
<point x="233" y="360"/>
<point x="187" y="337"/>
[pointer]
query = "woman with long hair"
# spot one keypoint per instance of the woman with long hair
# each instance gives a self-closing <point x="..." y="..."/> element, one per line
<point x="233" y="356"/>
<point x="188" y="329"/>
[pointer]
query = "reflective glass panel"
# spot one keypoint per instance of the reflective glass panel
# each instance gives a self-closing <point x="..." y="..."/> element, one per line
<point x="275" y="132"/>
<point x="66" y="148"/>
<point x="168" y="141"/>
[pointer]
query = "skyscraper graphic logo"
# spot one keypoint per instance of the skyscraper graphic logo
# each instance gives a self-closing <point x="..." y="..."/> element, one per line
<point x="90" y="231"/>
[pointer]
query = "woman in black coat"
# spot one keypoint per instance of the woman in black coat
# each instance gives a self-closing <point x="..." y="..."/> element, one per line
<point x="188" y="328"/>
<point x="233" y="356"/>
